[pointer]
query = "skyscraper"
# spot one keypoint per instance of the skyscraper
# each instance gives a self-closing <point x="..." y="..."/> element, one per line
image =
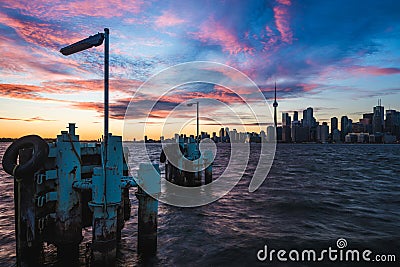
<point x="378" y="118"/>
<point x="308" y="117"/>
<point x="286" y="120"/>
<point x="344" y="127"/>
<point x="295" y="116"/>
<point x="334" y="124"/>
<point x="222" y="134"/>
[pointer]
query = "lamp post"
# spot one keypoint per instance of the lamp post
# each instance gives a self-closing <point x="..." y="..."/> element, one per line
<point x="91" y="41"/>
<point x="197" y="104"/>
<point x="104" y="210"/>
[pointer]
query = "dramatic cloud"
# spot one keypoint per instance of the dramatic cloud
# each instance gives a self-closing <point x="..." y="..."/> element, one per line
<point x="215" y="33"/>
<point x="311" y="48"/>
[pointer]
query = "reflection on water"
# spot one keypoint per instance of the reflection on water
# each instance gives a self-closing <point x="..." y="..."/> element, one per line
<point x="313" y="195"/>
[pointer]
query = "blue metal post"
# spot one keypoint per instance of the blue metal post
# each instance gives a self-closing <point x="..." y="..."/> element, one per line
<point x="149" y="177"/>
<point x="105" y="205"/>
<point x="68" y="230"/>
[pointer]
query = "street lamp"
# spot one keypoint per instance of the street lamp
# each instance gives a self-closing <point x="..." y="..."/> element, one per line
<point x="197" y="104"/>
<point x="91" y="41"/>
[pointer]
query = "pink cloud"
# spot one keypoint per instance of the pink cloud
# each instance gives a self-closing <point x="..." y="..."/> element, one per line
<point x="59" y="9"/>
<point x="281" y="16"/>
<point x="168" y="19"/>
<point x="42" y="34"/>
<point x="273" y="39"/>
<point x="213" y="32"/>
<point x="372" y="70"/>
<point x="308" y="87"/>
<point x="284" y="2"/>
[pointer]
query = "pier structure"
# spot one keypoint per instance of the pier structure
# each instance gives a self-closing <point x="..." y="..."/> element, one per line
<point x="177" y="172"/>
<point x="65" y="186"/>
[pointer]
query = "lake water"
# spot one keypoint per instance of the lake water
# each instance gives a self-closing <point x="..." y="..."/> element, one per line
<point x="313" y="195"/>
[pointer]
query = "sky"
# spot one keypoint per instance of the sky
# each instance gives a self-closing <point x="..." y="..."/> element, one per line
<point x="338" y="57"/>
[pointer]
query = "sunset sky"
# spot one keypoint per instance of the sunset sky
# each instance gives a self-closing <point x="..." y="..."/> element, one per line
<point x="338" y="57"/>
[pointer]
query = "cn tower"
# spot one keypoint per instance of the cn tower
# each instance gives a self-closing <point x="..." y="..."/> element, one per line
<point x="275" y="106"/>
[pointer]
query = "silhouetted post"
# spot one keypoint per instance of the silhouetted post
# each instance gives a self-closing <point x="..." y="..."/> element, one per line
<point x="29" y="249"/>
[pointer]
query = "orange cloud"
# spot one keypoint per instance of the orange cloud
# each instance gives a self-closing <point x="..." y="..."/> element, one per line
<point x="34" y="119"/>
<point x="22" y="91"/>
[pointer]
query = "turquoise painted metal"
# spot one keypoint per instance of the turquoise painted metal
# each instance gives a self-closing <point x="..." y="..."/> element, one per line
<point x="178" y="173"/>
<point x="80" y="185"/>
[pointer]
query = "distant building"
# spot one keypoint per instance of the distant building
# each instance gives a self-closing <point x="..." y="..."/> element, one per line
<point x="336" y="136"/>
<point x="286" y="132"/>
<point x="222" y="134"/>
<point x="214" y="137"/>
<point x="271" y="134"/>
<point x="263" y="136"/>
<point x="358" y="127"/>
<point x="351" y="138"/>
<point x="300" y="134"/>
<point x="392" y="123"/>
<point x="334" y="124"/>
<point x="278" y="134"/>
<point x="286" y="120"/>
<point x="378" y="119"/>
<point x="295" y="116"/>
<point x="344" y="127"/>
<point x="308" y="117"/>
<point x="323" y="133"/>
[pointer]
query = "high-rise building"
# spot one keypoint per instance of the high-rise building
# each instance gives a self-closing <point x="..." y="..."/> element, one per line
<point x="344" y="127"/>
<point x="308" y="117"/>
<point x="300" y="133"/>
<point x="367" y="121"/>
<point x="323" y="132"/>
<point x="334" y="124"/>
<point x="378" y="118"/>
<point x="286" y="120"/>
<point x="350" y="126"/>
<point x="392" y="123"/>
<point x="271" y="134"/>
<point x="295" y="116"/>
<point x="214" y="137"/>
<point x="222" y="134"/>
<point x="227" y="137"/>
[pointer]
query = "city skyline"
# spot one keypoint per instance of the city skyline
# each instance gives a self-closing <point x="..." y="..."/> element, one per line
<point x="375" y="123"/>
<point x="321" y="54"/>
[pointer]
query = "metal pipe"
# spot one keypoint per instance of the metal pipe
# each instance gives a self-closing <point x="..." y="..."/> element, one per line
<point x="198" y="125"/>
<point x="82" y="185"/>
<point x="106" y="77"/>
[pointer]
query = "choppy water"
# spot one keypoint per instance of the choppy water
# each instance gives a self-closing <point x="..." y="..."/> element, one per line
<point x="314" y="194"/>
